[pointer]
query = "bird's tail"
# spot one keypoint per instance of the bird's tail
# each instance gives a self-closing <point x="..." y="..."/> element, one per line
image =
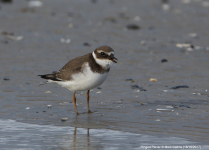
<point x="47" y="76"/>
<point x="50" y="77"/>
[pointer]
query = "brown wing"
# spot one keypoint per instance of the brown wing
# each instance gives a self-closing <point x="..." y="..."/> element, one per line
<point x="73" y="66"/>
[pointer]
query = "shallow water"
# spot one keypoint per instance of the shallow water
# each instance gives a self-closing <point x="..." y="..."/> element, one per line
<point x="17" y="135"/>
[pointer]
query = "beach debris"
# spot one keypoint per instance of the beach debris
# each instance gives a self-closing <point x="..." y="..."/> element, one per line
<point x="27" y="108"/>
<point x="205" y="4"/>
<point x="133" y="27"/>
<point x="65" y="40"/>
<point x="165" y="5"/>
<point x="198" y="47"/>
<point x="193" y="35"/>
<point x="15" y="38"/>
<point x="7" y="33"/>
<point x="64" y="119"/>
<point x="49" y="106"/>
<point x="184" y="45"/>
<point x="6" y="1"/>
<point x="179" y="86"/>
<point x="6" y="79"/>
<point x="137" y="87"/>
<point x="142" y="103"/>
<point x="67" y="102"/>
<point x="143" y="90"/>
<point x="184" y="106"/>
<point x="189" y="47"/>
<point x="164" y="60"/>
<point x="169" y="106"/>
<point x="137" y="18"/>
<point x="99" y="87"/>
<point x="48" y="92"/>
<point x="35" y="4"/>
<point x="153" y="80"/>
<point x="130" y="80"/>
<point x="196" y="93"/>
<point x="70" y="25"/>
<point x="143" y="42"/>
<point x="161" y="109"/>
<point x="165" y="91"/>
<point x="99" y="92"/>
<point x="157" y="120"/>
<point x="86" y="44"/>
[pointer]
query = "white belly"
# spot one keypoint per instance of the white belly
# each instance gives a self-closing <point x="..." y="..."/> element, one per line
<point x="84" y="81"/>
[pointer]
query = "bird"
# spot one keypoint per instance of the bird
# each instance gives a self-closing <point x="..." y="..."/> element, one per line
<point x="84" y="73"/>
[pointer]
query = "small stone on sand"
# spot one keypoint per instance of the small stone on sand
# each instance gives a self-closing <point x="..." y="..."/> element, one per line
<point x="64" y="119"/>
<point x="153" y="80"/>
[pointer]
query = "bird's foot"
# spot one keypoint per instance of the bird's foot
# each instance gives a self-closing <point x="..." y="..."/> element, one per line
<point x="89" y="112"/>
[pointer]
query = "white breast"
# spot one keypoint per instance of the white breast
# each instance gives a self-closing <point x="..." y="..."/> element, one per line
<point x="85" y="80"/>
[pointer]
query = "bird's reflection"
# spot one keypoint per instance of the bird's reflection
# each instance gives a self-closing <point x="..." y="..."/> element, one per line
<point x="79" y="141"/>
<point x="74" y="138"/>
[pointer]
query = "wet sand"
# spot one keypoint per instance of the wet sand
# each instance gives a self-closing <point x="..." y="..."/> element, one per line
<point x="39" y="40"/>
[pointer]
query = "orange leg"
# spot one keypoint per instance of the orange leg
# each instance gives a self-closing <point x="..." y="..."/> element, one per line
<point x="87" y="96"/>
<point x="74" y="101"/>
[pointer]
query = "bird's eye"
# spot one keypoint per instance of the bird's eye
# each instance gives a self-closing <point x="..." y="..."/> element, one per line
<point x="102" y="53"/>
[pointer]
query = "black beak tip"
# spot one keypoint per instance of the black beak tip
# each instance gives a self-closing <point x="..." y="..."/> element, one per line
<point x="114" y="60"/>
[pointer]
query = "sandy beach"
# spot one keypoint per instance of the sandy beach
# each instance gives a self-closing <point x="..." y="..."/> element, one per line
<point x="151" y="39"/>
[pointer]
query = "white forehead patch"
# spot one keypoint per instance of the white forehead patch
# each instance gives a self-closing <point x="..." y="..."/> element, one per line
<point x="110" y="53"/>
